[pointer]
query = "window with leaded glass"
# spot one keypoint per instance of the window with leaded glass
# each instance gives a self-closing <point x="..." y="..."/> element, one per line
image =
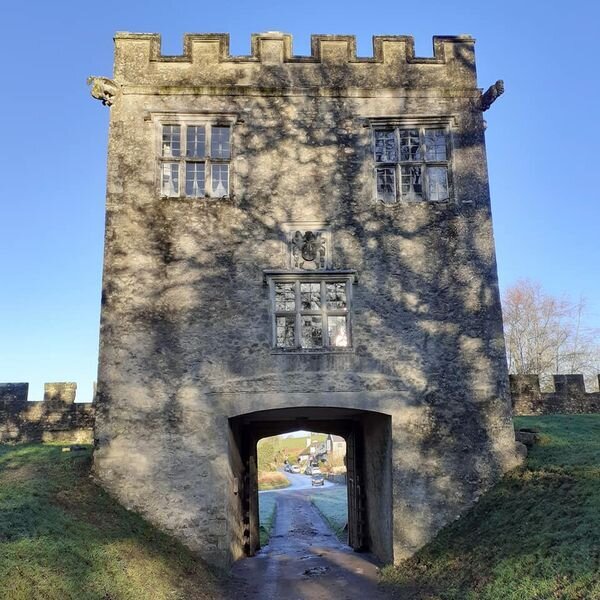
<point x="195" y="160"/>
<point x="411" y="164"/>
<point x="311" y="314"/>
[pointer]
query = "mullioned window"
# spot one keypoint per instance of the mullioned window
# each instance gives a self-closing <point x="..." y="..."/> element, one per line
<point x="194" y="159"/>
<point x="412" y="163"/>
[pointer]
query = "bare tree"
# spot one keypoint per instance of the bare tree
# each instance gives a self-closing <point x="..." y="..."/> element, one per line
<point x="545" y="334"/>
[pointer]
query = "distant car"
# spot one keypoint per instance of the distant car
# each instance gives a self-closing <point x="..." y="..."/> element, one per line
<point x="287" y="468"/>
<point x="294" y="469"/>
<point x="317" y="479"/>
<point x="312" y="470"/>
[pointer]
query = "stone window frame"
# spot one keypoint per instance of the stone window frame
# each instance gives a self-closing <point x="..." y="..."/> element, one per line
<point x="421" y="123"/>
<point x="208" y="120"/>
<point x="348" y="277"/>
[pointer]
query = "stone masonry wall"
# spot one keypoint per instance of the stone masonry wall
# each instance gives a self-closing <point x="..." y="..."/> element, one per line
<point x="59" y="418"/>
<point x="569" y="396"/>
<point x="186" y="326"/>
<point x="56" y="418"/>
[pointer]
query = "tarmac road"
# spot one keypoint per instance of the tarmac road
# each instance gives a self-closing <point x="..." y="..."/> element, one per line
<point x="304" y="560"/>
<point x="298" y="482"/>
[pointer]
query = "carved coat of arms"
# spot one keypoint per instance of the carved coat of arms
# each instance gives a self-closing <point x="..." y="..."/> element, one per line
<point x="308" y="250"/>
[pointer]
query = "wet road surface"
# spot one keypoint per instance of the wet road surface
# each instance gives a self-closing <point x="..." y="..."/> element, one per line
<point x="304" y="560"/>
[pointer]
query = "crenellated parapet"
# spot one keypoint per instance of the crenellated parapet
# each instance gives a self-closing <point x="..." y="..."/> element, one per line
<point x="333" y="63"/>
<point x="56" y="418"/>
<point x="569" y="396"/>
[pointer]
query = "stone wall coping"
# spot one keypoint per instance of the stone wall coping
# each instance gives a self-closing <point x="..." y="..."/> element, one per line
<point x="569" y="383"/>
<point x="64" y="392"/>
<point x="568" y="397"/>
<point x="318" y="43"/>
<point x="333" y="64"/>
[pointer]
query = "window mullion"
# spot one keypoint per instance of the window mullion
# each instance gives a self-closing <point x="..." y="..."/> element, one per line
<point x="207" y="164"/>
<point x="348" y="288"/>
<point x="274" y="309"/>
<point x="183" y="149"/>
<point x="423" y="164"/>
<point x="325" y="334"/>
<point x="298" y="337"/>
<point x="398" y="170"/>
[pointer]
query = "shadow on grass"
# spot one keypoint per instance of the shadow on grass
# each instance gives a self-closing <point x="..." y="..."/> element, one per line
<point x="267" y="504"/>
<point x="332" y="503"/>
<point x="61" y="536"/>
<point x="536" y="535"/>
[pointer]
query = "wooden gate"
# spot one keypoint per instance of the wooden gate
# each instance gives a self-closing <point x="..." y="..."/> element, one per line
<point x="356" y="504"/>
<point x="250" y="498"/>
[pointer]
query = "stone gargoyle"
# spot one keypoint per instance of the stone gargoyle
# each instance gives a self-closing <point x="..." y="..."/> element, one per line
<point x="103" y="89"/>
<point x="492" y="94"/>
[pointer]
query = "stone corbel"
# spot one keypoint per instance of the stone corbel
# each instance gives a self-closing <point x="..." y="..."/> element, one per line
<point x="103" y="89"/>
<point x="492" y="94"/>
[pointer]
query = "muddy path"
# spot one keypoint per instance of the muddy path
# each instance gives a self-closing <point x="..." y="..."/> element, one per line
<point x="304" y="560"/>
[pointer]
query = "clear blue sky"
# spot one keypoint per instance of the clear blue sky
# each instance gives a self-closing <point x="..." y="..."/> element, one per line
<point x="543" y="139"/>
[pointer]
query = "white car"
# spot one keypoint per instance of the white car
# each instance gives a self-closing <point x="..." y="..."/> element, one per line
<point x="294" y="469"/>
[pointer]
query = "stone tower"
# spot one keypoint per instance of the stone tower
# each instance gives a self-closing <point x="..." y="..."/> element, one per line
<point x="299" y="242"/>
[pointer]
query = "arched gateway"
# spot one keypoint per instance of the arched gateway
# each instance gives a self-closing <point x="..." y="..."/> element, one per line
<point x="368" y="438"/>
<point x="299" y="242"/>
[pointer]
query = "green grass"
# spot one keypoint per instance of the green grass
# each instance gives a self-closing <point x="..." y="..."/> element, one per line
<point x="535" y="536"/>
<point x="62" y="537"/>
<point x="332" y="503"/>
<point x="272" y="480"/>
<point x="299" y="443"/>
<point x="266" y="511"/>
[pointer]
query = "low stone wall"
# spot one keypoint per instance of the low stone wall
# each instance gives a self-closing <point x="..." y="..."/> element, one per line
<point x="569" y="396"/>
<point x="59" y="418"/>
<point x="56" y="418"/>
<point x="337" y="478"/>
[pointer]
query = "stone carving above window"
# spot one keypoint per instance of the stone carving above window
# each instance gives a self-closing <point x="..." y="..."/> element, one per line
<point x="308" y="245"/>
<point x="309" y="250"/>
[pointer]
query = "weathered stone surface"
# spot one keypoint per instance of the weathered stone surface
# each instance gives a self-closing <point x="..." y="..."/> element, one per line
<point x="522" y="450"/>
<point x="186" y="327"/>
<point x="526" y="437"/>
<point x="57" y="418"/>
<point x="569" y="396"/>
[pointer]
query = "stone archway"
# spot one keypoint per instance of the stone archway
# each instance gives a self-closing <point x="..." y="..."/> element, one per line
<point x="369" y="461"/>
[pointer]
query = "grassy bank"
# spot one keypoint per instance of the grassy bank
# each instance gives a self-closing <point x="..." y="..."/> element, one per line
<point x="332" y="503"/>
<point x="535" y="536"/>
<point x="62" y="537"/>
<point x="266" y="509"/>
<point x="272" y="480"/>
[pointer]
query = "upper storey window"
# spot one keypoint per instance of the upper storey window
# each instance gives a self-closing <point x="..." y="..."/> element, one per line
<point x="411" y="164"/>
<point x="195" y="160"/>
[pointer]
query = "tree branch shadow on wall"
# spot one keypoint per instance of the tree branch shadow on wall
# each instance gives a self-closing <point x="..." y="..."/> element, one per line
<point x="206" y="320"/>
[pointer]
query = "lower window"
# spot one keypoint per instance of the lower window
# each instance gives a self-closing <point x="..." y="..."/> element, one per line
<point x="311" y="314"/>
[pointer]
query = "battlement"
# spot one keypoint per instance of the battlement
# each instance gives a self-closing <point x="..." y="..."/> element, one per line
<point x="333" y="62"/>
<point x="56" y="418"/>
<point x="569" y="395"/>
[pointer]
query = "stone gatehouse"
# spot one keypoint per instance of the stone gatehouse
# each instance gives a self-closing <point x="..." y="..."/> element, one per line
<point x="299" y="242"/>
